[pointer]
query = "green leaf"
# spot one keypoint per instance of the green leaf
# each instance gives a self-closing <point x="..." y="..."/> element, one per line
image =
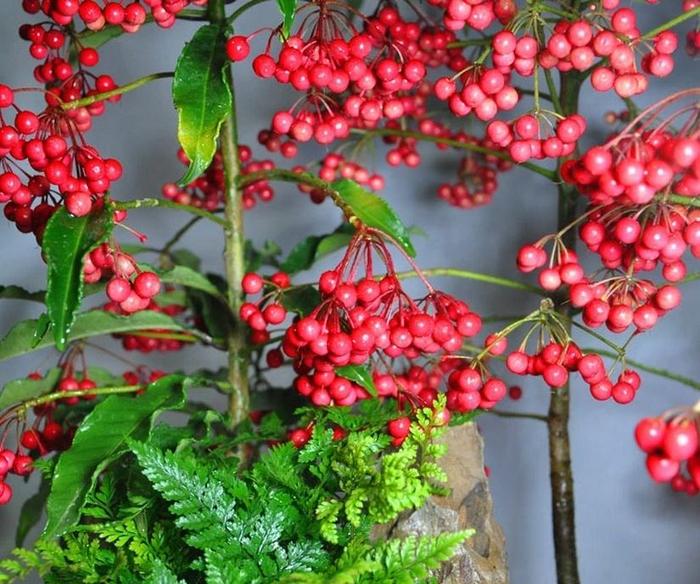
<point x="184" y="257"/>
<point x="66" y="240"/>
<point x="374" y="212"/>
<point x="202" y="97"/>
<point x="314" y="247"/>
<point x="287" y="9"/>
<point x="301" y="299"/>
<point x="266" y="256"/>
<point x="359" y="374"/>
<point x="20" y="390"/>
<point x="19" y="293"/>
<point x="184" y="276"/>
<point x="31" y="512"/>
<point x="20" y="339"/>
<point x="41" y="329"/>
<point x="101" y="438"/>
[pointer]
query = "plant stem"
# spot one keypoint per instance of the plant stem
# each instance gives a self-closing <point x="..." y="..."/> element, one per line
<point x="561" y="475"/>
<point x="649" y="368"/>
<point x="138" y="203"/>
<point x="91" y="99"/>
<point x="671" y="23"/>
<point x="545" y="172"/>
<point x="486" y="278"/>
<point x="238" y="357"/>
<point x="520" y="415"/>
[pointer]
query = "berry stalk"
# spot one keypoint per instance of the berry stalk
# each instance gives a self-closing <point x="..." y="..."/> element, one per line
<point x="234" y="241"/>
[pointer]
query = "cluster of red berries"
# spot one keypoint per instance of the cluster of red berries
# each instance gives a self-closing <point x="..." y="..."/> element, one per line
<point x="60" y="168"/>
<point x="671" y="445"/>
<point x="266" y="311"/>
<point x="129" y="289"/>
<point x="484" y="92"/>
<point x="622" y="237"/>
<point x="476" y="14"/>
<point x="553" y="362"/>
<point x="360" y="316"/>
<point x="618" y="301"/>
<point x="207" y="190"/>
<point x="46" y="434"/>
<point x="128" y="14"/>
<point x="577" y="45"/>
<point x="374" y="75"/>
<point x="335" y="166"/>
<point x="524" y="140"/>
<point x="146" y="341"/>
<point x="635" y="166"/>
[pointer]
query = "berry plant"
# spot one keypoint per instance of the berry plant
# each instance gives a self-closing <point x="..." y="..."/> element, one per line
<point x="340" y="388"/>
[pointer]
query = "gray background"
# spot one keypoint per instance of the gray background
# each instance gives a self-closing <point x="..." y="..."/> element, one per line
<point x="629" y="530"/>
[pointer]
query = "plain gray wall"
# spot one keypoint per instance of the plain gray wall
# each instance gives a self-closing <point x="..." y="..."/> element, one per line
<point x="629" y="530"/>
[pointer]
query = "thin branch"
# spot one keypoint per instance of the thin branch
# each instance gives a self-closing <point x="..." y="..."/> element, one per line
<point x="521" y="415"/>
<point x="545" y="172"/>
<point x="466" y="274"/>
<point x="146" y="203"/>
<point x="91" y="99"/>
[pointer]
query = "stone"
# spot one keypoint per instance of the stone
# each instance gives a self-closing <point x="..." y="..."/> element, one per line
<point x="482" y="558"/>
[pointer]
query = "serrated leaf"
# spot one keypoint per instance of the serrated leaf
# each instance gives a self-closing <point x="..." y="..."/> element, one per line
<point x="202" y="97"/>
<point x="66" y="241"/>
<point x="31" y="512"/>
<point x="101" y="438"/>
<point x="20" y="339"/>
<point x="302" y="299"/>
<point x="19" y="293"/>
<point x="374" y="212"/>
<point x="20" y="390"/>
<point x="287" y="9"/>
<point x="359" y="374"/>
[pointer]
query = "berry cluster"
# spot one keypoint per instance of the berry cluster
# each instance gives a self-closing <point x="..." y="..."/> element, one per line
<point x="146" y="341"/>
<point x="577" y="45"/>
<point x="130" y="15"/>
<point x="61" y="166"/>
<point x="476" y="14"/>
<point x="484" y="92"/>
<point x="207" y="190"/>
<point x="129" y="289"/>
<point x="524" y="140"/>
<point x="369" y="76"/>
<point x="671" y="445"/>
<point x="359" y="318"/>
<point x="266" y="311"/>
<point x="335" y="166"/>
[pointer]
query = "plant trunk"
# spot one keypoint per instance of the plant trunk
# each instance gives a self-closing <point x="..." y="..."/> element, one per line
<point x="238" y="356"/>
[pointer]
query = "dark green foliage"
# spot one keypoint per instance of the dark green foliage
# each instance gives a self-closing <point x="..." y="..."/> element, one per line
<point x="181" y="507"/>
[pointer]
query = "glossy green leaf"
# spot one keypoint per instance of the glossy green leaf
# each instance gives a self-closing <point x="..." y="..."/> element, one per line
<point x="374" y="212"/>
<point x="302" y="299"/>
<point x="287" y="9"/>
<point x="19" y="293"/>
<point x="41" y="329"/>
<point x="20" y="339"/>
<point x="66" y="241"/>
<point x="101" y="438"/>
<point x="31" y="512"/>
<point x="202" y="97"/>
<point x="314" y="247"/>
<point x="19" y="390"/>
<point x="184" y="276"/>
<point x="359" y="374"/>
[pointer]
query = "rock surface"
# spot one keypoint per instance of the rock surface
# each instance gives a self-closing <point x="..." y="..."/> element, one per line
<point x="482" y="558"/>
